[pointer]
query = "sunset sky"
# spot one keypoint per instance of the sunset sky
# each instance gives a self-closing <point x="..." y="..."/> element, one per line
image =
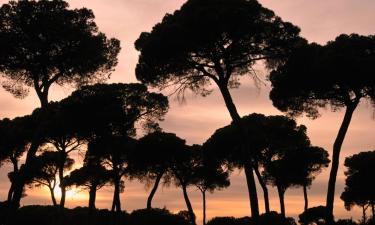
<point x="196" y="119"/>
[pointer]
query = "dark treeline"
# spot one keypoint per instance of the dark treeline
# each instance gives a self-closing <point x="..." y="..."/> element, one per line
<point x="203" y="45"/>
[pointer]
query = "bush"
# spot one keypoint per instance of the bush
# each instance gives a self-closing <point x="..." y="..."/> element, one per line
<point x="156" y="217"/>
<point x="273" y="218"/>
<point x="315" y="215"/>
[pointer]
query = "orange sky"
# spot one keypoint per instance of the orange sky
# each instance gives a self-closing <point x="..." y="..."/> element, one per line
<point x="320" y="21"/>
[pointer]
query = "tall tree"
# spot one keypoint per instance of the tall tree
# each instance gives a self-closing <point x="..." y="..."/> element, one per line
<point x="45" y="43"/>
<point x="45" y="172"/>
<point x="214" y="41"/>
<point x="314" y="77"/>
<point x="359" y="185"/>
<point x="153" y="159"/>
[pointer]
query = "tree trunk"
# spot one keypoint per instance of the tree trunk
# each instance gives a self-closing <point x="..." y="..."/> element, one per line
<point x="61" y="179"/>
<point x="335" y="159"/>
<point x="204" y="207"/>
<point x="92" y="198"/>
<point x="243" y="131"/>
<point x="153" y="191"/>
<point x="188" y="205"/>
<point x="116" y="204"/>
<point x="305" y="197"/>
<point x="281" y="193"/>
<point x="52" y="196"/>
<point x="15" y="174"/>
<point x="27" y="167"/>
<point x="264" y="188"/>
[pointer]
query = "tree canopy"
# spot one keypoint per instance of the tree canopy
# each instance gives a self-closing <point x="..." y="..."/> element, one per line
<point x="45" y="42"/>
<point x="214" y="40"/>
<point x="359" y="185"/>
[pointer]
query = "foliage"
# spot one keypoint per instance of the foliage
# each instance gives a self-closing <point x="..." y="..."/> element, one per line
<point x="45" y="43"/>
<point x="191" y="52"/>
<point x="117" y="108"/>
<point x="359" y="186"/>
<point x="314" y="76"/>
<point x="316" y="215"/>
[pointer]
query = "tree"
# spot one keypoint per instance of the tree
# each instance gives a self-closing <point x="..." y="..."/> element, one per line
<point x="183" y="174"/>
<point x="60" y="135"/>
<point x="45" y="43"/>
<point x="214" y="41"/>
<point x="268" y="136"/>
<point x="92" y="176"/>
<point x="314" y="77"/>
<point x="208" y="176"/>
<point x="115" y="154"/>
<point x="359" y="187"/>
<point x="15" y="135"/>
<point x="118" y="108"/>
<point x="153" y="159"/>
<point x="310" y="162"/>
<point x="293" y="167"/>
<point x="45" y="170"/>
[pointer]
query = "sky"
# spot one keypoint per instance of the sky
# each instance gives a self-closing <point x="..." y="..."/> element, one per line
<point x="197" y="118"/>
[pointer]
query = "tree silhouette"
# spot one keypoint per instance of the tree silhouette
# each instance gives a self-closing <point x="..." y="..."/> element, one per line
<point x="121" y="107"/>
<point x="294" y="167"/>
<point x="268" y="136"/>
<point x="183" y="174"/>
<point x="115" y="154"/>
<point x="314" y="77"/>
<point x="209" y="176"/>
<point x="359" y="189"/>
<point x="91" y="176"/>
<point x="45" y="43"/>
<point x="61" y="134"/>
<point x="45" y="170"/>
<point x="214" y="41"/>
<point x="153" y="159"/>
<point x="15" y="135"/>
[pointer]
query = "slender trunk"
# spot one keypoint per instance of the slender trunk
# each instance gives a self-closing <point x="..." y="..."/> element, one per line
<point x="13" y="179"/>
<point x="61" y="179"/>
<point x="305" y="197"/>
<point x="264" y="188"/>
<point x="153" y="191"/>
<point x="281" y="193"/>
<point x="336" y="157"/>
<point x="188" y="205"/>
<point x="52" y="196"/>
<point x="116" y="204"/>
<point x="204" y="206"/>
<point x="243" y="131"/>
<point x="92" y="197"/>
